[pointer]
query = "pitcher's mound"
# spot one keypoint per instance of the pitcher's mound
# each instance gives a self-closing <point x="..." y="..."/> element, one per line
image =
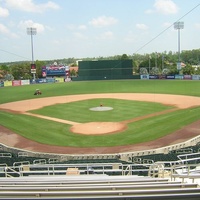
<point x="101" y="108"/>
<point x="97" y="128"/>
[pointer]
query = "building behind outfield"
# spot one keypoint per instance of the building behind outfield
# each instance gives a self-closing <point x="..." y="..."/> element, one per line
<point x="105" y="69"/>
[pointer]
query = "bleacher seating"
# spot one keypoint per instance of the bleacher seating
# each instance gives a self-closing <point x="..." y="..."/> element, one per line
<point x="155" y="158"/>
<point x="10" y="158"/>
<point x="100" y="176"/>
<point x="96" y="187"/>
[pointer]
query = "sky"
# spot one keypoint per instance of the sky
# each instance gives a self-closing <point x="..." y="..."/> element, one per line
<point x="95" y="28"/>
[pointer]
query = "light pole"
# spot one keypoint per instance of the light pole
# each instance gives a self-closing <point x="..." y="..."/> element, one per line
<point x="162" y="62"/>
<point x="32" y="31"/>
<point x="149" y="64"/>
<point x="156" y="63"/>
<point x="178" y="26"/>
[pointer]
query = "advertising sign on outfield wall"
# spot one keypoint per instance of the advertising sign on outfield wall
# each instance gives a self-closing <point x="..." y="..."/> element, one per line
<point x="144" y="77"/>
<point x="16" y="83"/>
<point x="153" y="77"/>
<point x="170" y="77"/>
<point x="187" y="77"/>
<point x="41" y="80"/>
<point x="162" y="76"/>
<point x="178" y="76"/>
<point x="25" y="82"/>
<point x="50" y="80"/>
<point x="195" y="77"/>
<point x="1" y="84"/>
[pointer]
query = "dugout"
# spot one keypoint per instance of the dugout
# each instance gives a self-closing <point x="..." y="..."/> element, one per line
<point x="105" y="69"/>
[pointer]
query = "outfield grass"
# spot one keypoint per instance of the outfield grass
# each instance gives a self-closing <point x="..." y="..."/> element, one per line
<point x="54" y="133"/>
<point x="179" y="87"/>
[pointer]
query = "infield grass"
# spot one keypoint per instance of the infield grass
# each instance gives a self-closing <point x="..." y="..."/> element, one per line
<point x="80" y="111"/>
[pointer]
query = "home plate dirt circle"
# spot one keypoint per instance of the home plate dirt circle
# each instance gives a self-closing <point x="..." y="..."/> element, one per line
<point x="98" y="128"/>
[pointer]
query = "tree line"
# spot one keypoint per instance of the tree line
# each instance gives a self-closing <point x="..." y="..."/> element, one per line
<point x="155" y="63"/>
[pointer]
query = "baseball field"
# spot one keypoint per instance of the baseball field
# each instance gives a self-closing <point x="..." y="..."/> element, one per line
<point x="141" y="114"/>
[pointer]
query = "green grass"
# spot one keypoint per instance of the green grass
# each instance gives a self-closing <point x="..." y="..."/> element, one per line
<point x="48" y="132"/>
<point x="53" y="133"/>
<point x="179" y="87"/>
<point x="80" y="111"/>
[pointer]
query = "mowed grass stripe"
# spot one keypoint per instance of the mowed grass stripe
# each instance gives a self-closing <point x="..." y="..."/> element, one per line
<point x="80" y="111"/>
<point x="178" y="87"/>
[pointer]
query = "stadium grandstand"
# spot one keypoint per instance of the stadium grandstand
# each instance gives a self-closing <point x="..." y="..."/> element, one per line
<point x="137" y="175"/>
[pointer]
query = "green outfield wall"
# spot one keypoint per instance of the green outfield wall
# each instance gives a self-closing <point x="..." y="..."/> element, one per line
<point x="105" y="69"/>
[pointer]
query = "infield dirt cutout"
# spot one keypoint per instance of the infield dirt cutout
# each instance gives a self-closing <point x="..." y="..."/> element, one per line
<point x="98" y="128"/>
<point x="9" y="138"/>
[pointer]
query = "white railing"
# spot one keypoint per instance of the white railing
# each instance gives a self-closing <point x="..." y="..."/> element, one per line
<point x="83" y="169"/>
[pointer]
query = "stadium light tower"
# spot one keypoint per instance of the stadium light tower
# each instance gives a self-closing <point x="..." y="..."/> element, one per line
<point x="178" y="26"/>
<point x="32" y="31"/>
<point x="149" y="63"/>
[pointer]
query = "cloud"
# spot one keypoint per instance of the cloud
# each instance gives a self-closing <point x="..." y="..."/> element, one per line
<point x="103" y="21"/>
<point x="57" y="42"/>
<point x="29" y="23"/>
<point x="165" y="7"/>
<point x="149" y="11"/>
<point x="80" y="36"/>
<point x="197" y="26"/>
<point x="73" y="27"/>
<point x="5" y="31"/>
<point x="130" y="37"/>
<point x="30" y="6"/>
<point x="82" y="27"/>
<point x="167" y="25"/>
<point x="107" y="35"/>
<point x="142" y="26"/>
<point x="4" y="12"/>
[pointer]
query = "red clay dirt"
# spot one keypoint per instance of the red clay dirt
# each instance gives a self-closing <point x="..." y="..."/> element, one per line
<point x="9" y="138"/>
